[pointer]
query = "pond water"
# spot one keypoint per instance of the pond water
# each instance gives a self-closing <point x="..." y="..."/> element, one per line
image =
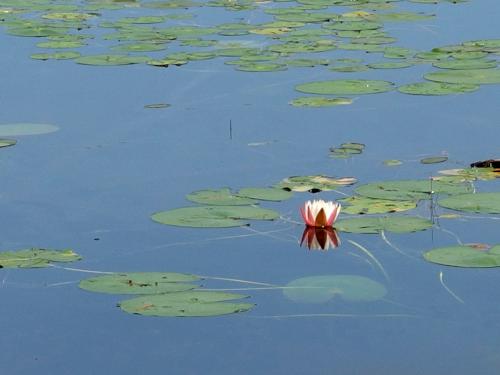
<point x="93" y="185"/>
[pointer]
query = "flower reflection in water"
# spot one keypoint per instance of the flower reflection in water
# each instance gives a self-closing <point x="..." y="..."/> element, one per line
<point x="320" y="238"/>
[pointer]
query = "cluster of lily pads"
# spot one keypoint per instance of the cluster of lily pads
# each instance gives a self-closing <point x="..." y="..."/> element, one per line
<point x="294" y="31"/>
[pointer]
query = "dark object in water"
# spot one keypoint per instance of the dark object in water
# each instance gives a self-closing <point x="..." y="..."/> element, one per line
<point x="492" y="163"/>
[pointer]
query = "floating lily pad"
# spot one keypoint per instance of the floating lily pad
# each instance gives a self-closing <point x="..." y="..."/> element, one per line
<point x="465" y="256"/>
<point x="61" y="44"/>
<point x="185" y="304"/>
<point x="313" y="101"/>
<point x="221" y="197"/>
<point x="363" y="205"/>
<point x="140" y="283"/>
<point x="66" y="55"/>
<point x="320" y="289"/>
<point x="265" y="194"/>
<point x="213" y="216"/>
<point x="7" y="142"/>
<point x="396" y="224"/>
<point x="411" y="189"/>
<point x="15" y="130"/>
<point x="478" y="202"/>
<point x="111" y="60"/>
<point x="466" y="64"/>
<point x="314" y="183"/>
<point x="437" y="88"/>
<point x="157" y="105"/>
<point x="261" y="67"/>
<point x="471" y="174"/>
<point x="391" y="65"/>
<point x="468" y="76"/>
<point x="139" y="47"/>
<point x="35" y="257"/>
<point x="434" y="160"/>
<point x="353" y="25"/>
<point x="392" y="162"/>
<point x="345" y="87"/>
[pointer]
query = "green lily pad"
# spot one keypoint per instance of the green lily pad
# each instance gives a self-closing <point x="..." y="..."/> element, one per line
<point x="471" y="174"/>
<point x="60" y="44"/>
<point x="437" y="88"/>
<point x="66" y="55"/>
<point x="345" y="87"/>
<point x="392" y="162"/>
<point x="313" y="101"/>
<point x="314" y="183"/>
<point x="391" y="65"/>
<point x="139" y="47"/>
<point x="221" y="197"/>
<point x="20" y="129"/>
<point x="35" y="257"/>
<point x="478" y="202"/>
<point x="466" y="64"/>
<point x="213" y="216"/>
<point x="320" y="289"/>
<point x="467" y="76"/>
<point x="265" y="194"/>
<point x="434" y="160"/>
<point x="363" y="205"/>
<point x="411" y="190"/>
<point x="111" y="60"/>
<point x="261" y="67"/>
<point x="464" y="256"/>
<point x="184" y="304"/>
<point x="349" y="68"/>
<point x="353" y="25"/>
<point x="139" y="283"/>
<point x="396" y="224"/>
<point x="7" y="142"/>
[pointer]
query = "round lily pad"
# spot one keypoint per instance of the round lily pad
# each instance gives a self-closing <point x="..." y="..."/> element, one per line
<point x="316" y="102"/>
<point x="320" y="289"/>
<point x="411" y="190"/>
<point x="434" y="160"/>
<point x="261" y="67"/>
<point x="139" y="47"/>
<point x="61" y="44"/>
<point x="265" y="194"/>
<point x="466" y="64"/>
<point x="139" y="283"/>
<point x="183" y="304"/>
<point x="213" y="216"/>
<point x="467" y="76"/>
<point x="345" y="87"/>
<point x="19" y="129"/>
<point x="65" y="55"/>
<point x="363" y="205"/>
<point x="35" y="257"/>
<point x="392" y="162"/>
<point x="390" y="65"/>
<point x="111" y="60"/>
<point x="396" y="224"/>
<point x="437" y="88"/>
<point x="222" y="197"/>
<point x="314" y="183"/>
<point x="478" y="202"/>
<point x="7" y="142"/>
<point x="465" y="256"/>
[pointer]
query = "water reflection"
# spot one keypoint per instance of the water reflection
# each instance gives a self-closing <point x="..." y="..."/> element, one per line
<point x="320" y="238"/>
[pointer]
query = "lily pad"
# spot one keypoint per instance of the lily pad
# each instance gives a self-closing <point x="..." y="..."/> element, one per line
<point x="7" y="142"/>
<point x="316" y="102"/>
<point x="392" y="162"/>
<point x="437" y="88"/>
<point x="320" y="289"/>
<point x="139" y="283"/>
<point x="111" y="60"/>
<point x="467" y="76"/>
<point x="20" y="129"/>
<point x="184" y="304"/>
<point x="434" y="160"/>
<point x="345" y="87"/>
<point x="213" y="216"/>
<point x="222" y="197"/>
<point x="478" y="202"/>
<point x="465" y="256"/>
<point x="411" y="190"/>
<point x="314" y="183"/>
<point x="265" y="194"/>
<point x="35" y="257"/>
<point x="396" y="224"/>
<point x="363" y="205"/>
<point x="64" y="55"/>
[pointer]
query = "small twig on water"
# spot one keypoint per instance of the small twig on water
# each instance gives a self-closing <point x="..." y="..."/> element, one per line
<point x="448" y="289"/>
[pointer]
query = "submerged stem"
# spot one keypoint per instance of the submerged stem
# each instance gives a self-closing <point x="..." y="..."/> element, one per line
<point x="372" y="257"/>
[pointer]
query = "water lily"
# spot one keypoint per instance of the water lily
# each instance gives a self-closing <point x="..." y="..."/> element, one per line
<point x="320" y="214"/>
<point x="320" y="238"/>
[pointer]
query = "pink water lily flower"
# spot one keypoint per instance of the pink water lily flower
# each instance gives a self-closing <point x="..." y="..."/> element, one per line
<point x="320" y="214"/>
